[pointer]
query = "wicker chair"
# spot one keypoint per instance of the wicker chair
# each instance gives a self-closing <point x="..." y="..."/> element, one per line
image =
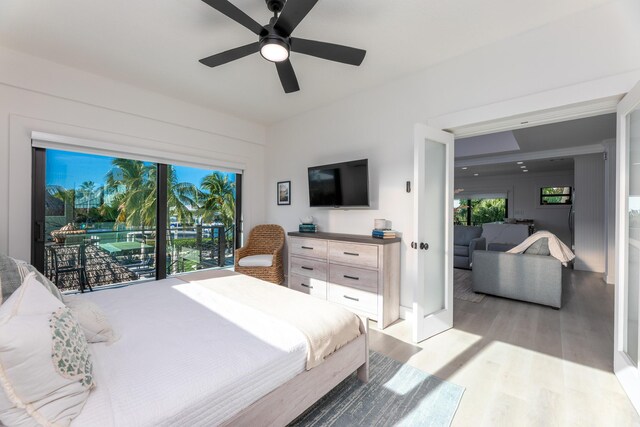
<point x="267" y="239"/>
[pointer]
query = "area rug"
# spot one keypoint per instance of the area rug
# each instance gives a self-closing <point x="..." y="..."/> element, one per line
<point x="396" y="395"/>
<point x="462" y="286"/>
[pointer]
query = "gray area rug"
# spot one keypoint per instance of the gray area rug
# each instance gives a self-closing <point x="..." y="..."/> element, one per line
<point x="462" y="286"/>
<point x="396" y="395"/>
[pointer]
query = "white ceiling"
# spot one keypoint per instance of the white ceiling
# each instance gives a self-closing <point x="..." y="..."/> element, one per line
<point x="156" y="44"/>
<point x="567" y="134"/>
<point x="512" y="168"/>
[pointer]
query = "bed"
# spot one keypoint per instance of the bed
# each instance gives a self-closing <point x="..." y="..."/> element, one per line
<point x="218" y="348"/>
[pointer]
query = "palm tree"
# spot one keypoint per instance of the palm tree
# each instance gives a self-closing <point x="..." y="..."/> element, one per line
<point x="136" y="181"/>
<point x="183" y="198"/>
<point x="219" y="199"/>
<point x="88" y="191"/>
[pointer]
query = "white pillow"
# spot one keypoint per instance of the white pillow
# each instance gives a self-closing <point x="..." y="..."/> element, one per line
<point x="92" y="320"/>
<point x="46" y="371"/>
<point x="256" y="261"/>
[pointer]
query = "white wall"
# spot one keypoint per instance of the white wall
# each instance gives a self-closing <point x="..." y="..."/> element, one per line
<point x="524" y="197"/>
<point x="38" y="95"/>
<point x="378" y="124"/>
<point x="589" y="204"/>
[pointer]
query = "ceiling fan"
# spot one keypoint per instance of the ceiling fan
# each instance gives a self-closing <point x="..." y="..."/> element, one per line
<point x="275" y="42"/>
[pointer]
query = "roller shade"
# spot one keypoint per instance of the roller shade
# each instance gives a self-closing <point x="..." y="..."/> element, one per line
<point x="147" y="152"/>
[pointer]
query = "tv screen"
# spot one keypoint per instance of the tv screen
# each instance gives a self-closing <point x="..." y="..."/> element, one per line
<point x="340" y="184"/>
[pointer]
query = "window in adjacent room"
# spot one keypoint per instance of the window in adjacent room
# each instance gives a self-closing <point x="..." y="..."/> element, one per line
<point x="480" y="210"/>
<point x="555" y="196"/>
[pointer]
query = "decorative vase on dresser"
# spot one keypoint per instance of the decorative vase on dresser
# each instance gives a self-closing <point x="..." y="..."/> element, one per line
<point x="360" y="272"/>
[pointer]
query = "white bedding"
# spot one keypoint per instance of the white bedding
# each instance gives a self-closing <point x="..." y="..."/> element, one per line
<point x="168" y="368"/>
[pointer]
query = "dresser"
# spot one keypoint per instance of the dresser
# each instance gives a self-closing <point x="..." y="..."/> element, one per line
<point x="359" y="272"/>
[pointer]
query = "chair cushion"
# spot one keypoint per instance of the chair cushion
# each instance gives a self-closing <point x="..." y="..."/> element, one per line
<point x="539" y="247"/>
<point x="459" y="250"/>
<point x="463" y="234"/>
<point x="46" y="370"/>
<point x="256" y="261"/>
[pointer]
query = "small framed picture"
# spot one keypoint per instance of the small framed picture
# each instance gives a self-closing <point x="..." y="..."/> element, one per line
<point x="284" y="193"/>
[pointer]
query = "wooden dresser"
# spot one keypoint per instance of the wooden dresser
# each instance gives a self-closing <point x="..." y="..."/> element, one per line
<point x="359" y="272"/>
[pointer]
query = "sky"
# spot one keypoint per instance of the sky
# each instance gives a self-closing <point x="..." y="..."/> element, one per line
<point x="69" y="169"/>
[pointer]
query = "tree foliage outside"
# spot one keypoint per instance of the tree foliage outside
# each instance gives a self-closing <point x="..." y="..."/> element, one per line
<point x="482" y="211"/>
<point x="555" y="195"/>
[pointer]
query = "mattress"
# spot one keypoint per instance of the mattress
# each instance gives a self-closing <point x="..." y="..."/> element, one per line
<point x="185" y="357"/>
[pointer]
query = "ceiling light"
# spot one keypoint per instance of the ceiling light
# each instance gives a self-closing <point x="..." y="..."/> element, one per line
<point x="476" y="174"/>
<point x="274" y="50"/>
<point x="524" y="170"/>
<point x="523" y="167"/>
<point x="519" y="163"/>
<point x="465" y="168"/>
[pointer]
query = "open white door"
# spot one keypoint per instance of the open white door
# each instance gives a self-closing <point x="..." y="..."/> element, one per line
<point x="433" y="225"/>
<point x="627" y="291"/>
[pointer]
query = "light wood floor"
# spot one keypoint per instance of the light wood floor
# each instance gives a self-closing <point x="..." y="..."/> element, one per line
<point x="524" y="364"/>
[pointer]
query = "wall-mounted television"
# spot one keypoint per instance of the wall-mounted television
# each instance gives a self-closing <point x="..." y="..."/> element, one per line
<point x="339" y="185"/>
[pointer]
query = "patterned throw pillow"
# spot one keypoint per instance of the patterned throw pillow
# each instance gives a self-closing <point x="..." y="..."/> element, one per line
<point x="92" y="320"/>
<point x="12" y="274"/>
<point x="46" y="372"/>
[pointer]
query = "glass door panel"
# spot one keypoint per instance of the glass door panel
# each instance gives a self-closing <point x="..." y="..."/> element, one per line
<point x="633" y="237"/>
<point x="99" y="222"/>
<point x="201" y="223"/>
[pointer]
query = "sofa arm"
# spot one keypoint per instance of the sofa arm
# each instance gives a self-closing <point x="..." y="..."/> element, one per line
<point x="478" y="244"/>
<point x="533" y="278"/>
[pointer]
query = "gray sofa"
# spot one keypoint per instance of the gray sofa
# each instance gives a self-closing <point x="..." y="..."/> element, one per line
<point x="525" y="277"/>
<point x="466" y="240"/>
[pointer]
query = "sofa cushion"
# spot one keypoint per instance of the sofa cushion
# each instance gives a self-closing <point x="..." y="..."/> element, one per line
<point x="459" y="250"/>
<point x="256" y="261"/>
<point x="463" y="234"/>
<point x="539" y="247"/>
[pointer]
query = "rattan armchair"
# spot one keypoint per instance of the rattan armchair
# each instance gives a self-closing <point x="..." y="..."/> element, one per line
<point x="267" y="239"/>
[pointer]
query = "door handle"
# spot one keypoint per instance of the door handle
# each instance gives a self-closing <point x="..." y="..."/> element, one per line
<point x="306" y="268"/>
<point x="306" y="247"/>
<point x="351" y="253"/>
<point x="351" y="277"/>
<point x="39" y="231"/>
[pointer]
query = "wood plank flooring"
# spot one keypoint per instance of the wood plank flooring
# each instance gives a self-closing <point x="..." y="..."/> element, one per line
<point x="524" y="364"/>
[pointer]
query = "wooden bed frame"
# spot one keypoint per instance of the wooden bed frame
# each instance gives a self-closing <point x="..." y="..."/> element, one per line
<point x="290" y="400"/>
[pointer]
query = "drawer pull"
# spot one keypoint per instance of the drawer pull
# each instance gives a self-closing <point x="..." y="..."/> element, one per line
<point x="306" y="268"/>
<point x="306" y="286"/>
<point x="351" y="277"/>
<point x="352" y="253"/>
<point x="351" y="298"/>
<point x="306" y="247"/>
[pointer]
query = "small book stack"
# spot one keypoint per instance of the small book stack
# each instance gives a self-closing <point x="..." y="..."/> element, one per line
<point x="383" y="234"/>
<point x="308" y="228"/>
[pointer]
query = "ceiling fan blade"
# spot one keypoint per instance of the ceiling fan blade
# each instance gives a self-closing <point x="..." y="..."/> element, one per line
<point x="230" y="55"/>
<point x="287" y="76"/>
<point x="294" y="11"/>
<point x="225" y="7"/>
<point x="330" y="51"/>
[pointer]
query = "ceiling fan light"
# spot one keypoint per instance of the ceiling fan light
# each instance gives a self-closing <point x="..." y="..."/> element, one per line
<point x="274" y="50"/>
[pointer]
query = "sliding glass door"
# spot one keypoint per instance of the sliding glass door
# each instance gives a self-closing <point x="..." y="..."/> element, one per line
<point x="96" y="219"/>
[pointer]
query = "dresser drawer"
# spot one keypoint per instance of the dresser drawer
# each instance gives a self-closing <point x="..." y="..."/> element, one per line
<point x="309" y="268"/>
<point x="315" y="248"/>
<point x="307" y="285"/>
<point x="355" y="298"/>
<point x="366" y="280"/>
<point x="353" y="254"/>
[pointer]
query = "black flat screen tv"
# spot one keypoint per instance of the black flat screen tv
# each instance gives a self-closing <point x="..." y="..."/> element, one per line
<point x="339" y="185"/>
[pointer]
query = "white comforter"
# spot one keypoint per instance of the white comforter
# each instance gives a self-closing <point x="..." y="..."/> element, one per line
<point x="185" y="358"/>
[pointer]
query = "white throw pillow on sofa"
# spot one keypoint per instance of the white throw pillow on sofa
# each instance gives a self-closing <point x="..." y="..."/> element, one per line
<point x="256" y="261"/>
<point x="92" y="320"/>
<point x="46" y="371"/>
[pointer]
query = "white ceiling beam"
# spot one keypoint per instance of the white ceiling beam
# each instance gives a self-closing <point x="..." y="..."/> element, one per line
<point x="536" y="155"/>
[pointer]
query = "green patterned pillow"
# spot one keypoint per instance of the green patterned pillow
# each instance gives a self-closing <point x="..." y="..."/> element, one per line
<point x="46" y="372"/>
<point x="13" y="273"/>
